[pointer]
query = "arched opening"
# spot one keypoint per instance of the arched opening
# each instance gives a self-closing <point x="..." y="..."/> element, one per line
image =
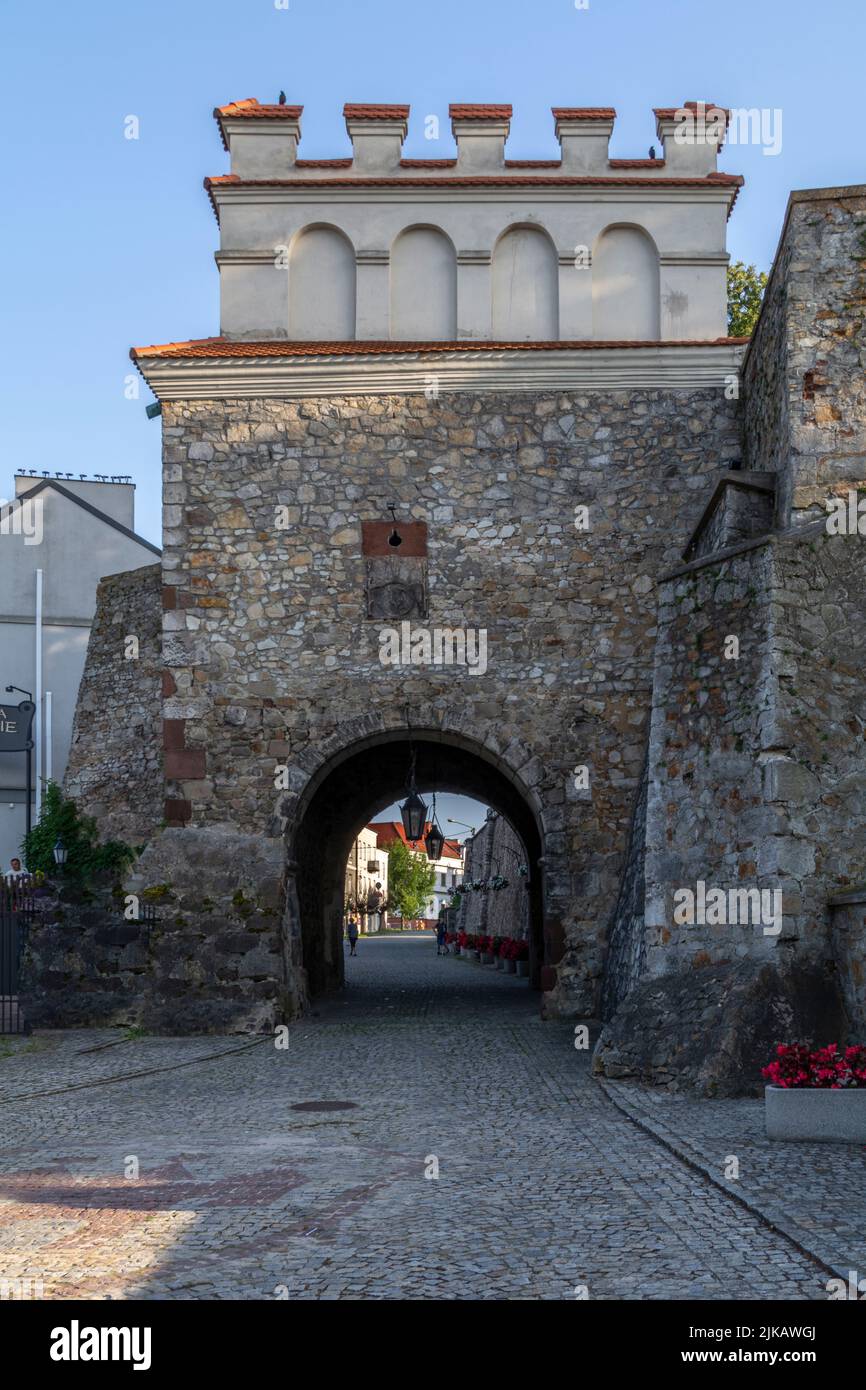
<point x="525" y="287"/>
<point x="625" y="286"/>
<point x="322" y="286"/>
<point x="423" y="286"/>
<point x="348" y="792"/>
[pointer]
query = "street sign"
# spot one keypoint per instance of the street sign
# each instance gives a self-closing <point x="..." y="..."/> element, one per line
<point x="15" y="725"/>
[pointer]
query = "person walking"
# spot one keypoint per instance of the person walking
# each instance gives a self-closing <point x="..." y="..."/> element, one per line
<point x="352" y="934"/>
<point x="441" y="937"/>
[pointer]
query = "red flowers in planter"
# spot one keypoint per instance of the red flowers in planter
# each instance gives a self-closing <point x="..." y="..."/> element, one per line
<point x="828" y="1068"/>
<point x="512" y="949"/>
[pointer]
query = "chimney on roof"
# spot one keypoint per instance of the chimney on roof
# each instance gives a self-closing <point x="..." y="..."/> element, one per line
<point x="584" y="135"/>
<point x="692" y="134"/>
<point x="377" y="134"/>
<point x="480" y="132"/>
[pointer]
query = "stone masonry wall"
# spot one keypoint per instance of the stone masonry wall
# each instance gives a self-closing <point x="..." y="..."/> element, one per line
<point x="758" y="763"/>
<point x="705" y="812"/>
<point x="757" y="779"/>
<point x="115" y="768"/>
<point x="626" y="953"/>
<point x="495" y="849"/>
<point x="269" y="653"/>
<point x="805" y="371"/>
<point x="204" y="964"/>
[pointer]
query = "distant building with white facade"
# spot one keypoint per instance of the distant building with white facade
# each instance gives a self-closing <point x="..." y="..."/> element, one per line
<point x="448" y="868"/>
<point x="58" y="537"/>
<point x="367" y="881"/>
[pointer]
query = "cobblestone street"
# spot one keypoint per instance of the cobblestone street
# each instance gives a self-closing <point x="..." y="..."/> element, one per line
<point x="545" y="1185"/>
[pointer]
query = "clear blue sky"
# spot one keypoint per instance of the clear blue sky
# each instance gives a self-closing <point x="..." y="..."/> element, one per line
<point x="108" y="242"/>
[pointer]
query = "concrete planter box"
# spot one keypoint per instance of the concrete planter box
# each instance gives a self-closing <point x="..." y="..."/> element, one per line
<point x="813" y="1114"/>
<point x="522" y="968"/>
<point x="488" y="958"/>
<point x="511" y="967"/>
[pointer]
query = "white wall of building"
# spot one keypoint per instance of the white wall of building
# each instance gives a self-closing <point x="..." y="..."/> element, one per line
<point x="76" y="550"/>
<point x="377" y="248"/>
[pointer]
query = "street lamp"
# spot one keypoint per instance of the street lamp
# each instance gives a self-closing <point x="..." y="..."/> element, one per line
<point x="61" y="853"/>
<point x="413" y="812"/>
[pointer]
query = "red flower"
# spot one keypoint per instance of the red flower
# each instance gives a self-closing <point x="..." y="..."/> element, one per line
<point x="825" y="1068"/>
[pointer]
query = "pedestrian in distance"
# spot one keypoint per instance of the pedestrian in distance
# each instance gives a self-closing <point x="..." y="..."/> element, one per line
<point x="352" y="935"/>
<point x="441" y="938"/>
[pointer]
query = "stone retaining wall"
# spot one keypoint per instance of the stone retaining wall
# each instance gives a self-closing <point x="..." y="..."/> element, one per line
<point x="115" y="769"/>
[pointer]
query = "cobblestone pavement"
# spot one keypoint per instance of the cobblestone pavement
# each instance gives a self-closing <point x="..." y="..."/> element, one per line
<point x="545" y="1186"/>
<point x="814" y="1193"/>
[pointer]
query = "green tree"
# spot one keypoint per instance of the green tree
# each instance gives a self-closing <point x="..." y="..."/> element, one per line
<point x="60" y="818"/>
<point x="746" y="287"/>
<point x="410" y="880"/>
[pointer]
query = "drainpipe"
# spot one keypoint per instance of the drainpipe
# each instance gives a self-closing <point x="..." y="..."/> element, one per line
<point x="37" y="738"/>
<point x="49" y="762"/>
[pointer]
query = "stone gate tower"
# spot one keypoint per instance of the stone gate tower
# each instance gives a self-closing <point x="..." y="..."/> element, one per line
<point x="528" y="361"/>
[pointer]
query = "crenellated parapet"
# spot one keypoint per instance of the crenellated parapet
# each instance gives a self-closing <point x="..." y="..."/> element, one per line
<point x="475" y="247"/>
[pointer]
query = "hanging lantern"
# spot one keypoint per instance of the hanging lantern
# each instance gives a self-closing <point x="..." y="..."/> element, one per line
<point x="435" y="842"/>
<point x="413" y="812"/>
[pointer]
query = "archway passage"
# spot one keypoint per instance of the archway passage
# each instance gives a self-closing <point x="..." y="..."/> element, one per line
<point x="348" y="792"/>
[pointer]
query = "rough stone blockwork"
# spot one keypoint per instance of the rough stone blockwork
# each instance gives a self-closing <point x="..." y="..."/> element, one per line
<point x="115" y="770"/>
<point x="272" y="660"/>
<point x="757" y="781"/>
<point x="205" y="964"/>
<point x="805" y="371"/>
<point x="495" y="849"/>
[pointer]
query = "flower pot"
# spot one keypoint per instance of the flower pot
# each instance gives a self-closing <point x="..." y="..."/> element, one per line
<point x="477" y="955"/>
<point x="816" y="1115"/>
<point x="522" y="968"/>
<point x="500" y="963"/>
<point x="511" y="967"/>
<point x="488" y="958"/>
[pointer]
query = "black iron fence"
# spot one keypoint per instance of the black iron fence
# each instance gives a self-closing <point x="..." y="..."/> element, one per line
<point x="16" y="912"/>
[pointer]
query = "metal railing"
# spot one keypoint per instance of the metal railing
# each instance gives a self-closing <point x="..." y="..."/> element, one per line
<point x="16" y="911"/>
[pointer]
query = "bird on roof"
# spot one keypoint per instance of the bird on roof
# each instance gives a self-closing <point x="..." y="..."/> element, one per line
<point x="652" y="152"/>
<point x="282" y="98"/>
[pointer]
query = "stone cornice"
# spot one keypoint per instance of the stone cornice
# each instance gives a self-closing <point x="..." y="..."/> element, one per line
<point x="589" y="367"/>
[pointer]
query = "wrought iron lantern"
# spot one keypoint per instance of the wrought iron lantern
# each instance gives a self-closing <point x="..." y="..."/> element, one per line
<point x="413" y="812"/>
<point x="435" y="840"/>
<point x="61" y="853"/>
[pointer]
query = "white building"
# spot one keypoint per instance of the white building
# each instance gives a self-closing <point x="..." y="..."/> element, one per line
<point x="448" y="868"/>
<point x="367" y="880"/>
<point x="58" y="537"/>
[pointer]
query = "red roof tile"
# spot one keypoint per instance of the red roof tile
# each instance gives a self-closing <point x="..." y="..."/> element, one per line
<point x="281" y="347"/>
<point x="323" y="163"/>
<point x="427" y="163"/>
<point x="584" y="113"/>
<point x="361" y="111"/>
<point x="470" y="180"/>
<point x="463" y="111"/>
<point x="251" y="107"/>
<point x="387" y="831"/>
<point x="636" y="163"/>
